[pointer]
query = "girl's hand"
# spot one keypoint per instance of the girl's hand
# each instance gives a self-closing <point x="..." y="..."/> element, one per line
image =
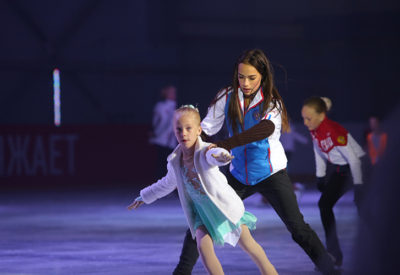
<point x="137" y="203"/>
<point x="212" y="145"/>
<point x="217" y="156"/>
<point x="223" y="157"/>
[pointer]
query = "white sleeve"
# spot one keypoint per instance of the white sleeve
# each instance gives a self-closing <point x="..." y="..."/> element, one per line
<point x="275" y="116"/>
<point x="320" y="162"/>
<point x="355" y="163"/>
<point x="215" y="117"/>
<point x="216" y="151"/>
<point x="159" y="189"/>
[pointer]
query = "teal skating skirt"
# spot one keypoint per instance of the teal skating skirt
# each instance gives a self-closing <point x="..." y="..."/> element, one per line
<point x="218" y="226"/>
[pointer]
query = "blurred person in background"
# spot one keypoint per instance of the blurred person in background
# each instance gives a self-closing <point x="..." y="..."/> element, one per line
<point x="163" y="136"/>
<point x="376" y="248"/>
<point x="376" y="141"/>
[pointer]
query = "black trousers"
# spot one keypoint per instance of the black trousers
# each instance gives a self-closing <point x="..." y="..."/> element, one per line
<point x="338" y="183"/>
<point x="278" y="190"/>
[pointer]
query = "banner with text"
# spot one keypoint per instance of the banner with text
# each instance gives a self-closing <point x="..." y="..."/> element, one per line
<point x="98" y="154"/>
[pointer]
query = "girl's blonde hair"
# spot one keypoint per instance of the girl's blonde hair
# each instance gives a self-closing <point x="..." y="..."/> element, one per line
<point x="188" y="109"/>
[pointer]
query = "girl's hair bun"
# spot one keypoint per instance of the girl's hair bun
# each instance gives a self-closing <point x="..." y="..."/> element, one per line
<point x="328" y="102"/>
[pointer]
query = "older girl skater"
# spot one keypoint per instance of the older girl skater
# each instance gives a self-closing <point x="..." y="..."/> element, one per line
<point x="332" y="144"/>
<point x="255" y="114"/>
<point x="214" y="212"/>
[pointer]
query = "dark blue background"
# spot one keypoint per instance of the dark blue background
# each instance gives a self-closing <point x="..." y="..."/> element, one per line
<point x="114" y="56"/>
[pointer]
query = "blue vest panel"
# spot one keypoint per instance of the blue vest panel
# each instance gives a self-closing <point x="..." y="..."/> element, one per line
<point x="252" y="161"/>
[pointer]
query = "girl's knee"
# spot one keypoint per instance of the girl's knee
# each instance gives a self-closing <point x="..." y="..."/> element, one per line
<point x="246" y="241"/>
<point x="201" y="248"/>
<point x="245" y="246"/>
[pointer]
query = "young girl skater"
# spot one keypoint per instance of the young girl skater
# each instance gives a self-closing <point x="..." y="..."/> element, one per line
<point x="376" y="141"/>
<point x="335" y="145"/>
<point x="213" y="210"/>
<point x="254" y="114"/>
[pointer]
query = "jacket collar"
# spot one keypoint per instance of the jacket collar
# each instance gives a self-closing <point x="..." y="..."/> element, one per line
<point x="177" y="153"/>
<point x="258" y="98"/>
<point x="322" y="127"/>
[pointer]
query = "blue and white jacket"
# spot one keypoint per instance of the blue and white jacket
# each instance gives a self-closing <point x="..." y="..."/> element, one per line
<point x="255" y="161"/>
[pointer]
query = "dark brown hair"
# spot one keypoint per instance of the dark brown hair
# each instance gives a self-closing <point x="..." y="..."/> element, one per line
<point x="259" y="61"/>
<point x="319" y="104"/>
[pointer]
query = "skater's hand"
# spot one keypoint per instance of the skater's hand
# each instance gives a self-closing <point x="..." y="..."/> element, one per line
<point x="223" y="157"/>
<point x="217" y="156"/>
<point x="136" y="203"/>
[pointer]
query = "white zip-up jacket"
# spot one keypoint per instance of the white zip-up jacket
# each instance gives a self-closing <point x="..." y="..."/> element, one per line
<point x="212" y="180"/>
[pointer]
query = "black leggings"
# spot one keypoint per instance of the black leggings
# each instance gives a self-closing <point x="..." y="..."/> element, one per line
<point x="278" y="190"/>
<point x="337" y="184"/>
